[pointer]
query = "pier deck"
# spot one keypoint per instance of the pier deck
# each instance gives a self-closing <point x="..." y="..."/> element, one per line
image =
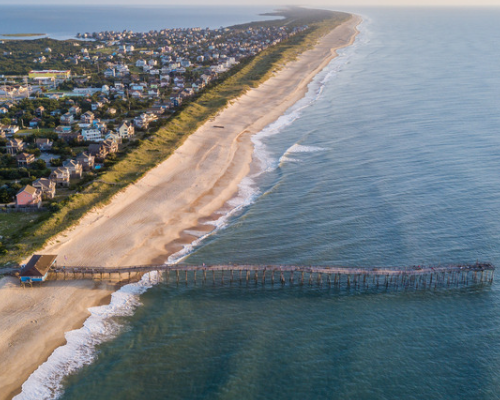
<point x="413" y="276"/>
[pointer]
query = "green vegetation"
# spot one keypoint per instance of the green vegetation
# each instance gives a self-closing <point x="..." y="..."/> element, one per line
<point x="161" y="144"/>
<point x="14" y="225"/>
<point x="20" y="56"/>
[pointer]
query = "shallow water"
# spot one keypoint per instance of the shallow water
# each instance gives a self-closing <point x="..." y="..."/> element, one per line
<point x="65" y="21"/>
<point x="392" y="159"/>
<point x="295" y="343"/>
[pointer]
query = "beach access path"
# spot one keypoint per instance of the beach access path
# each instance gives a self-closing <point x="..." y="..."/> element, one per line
<point x="149" y="220"/>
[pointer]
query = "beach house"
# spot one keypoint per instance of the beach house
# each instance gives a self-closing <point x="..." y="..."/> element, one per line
<point x="125" y="130"/>
<point x="110" y="145"/>
<point x="60" y="176"/>
<point x="75" y="169"/>
<point x="14" y="146"/>
<point x="87" y="117"/>
<point x="92" y="135"/>
<point x="114" y="137"/>
<point x="75" y="110"/>
<point x="67" y="119"/>
<point x="46" y="187"/>
<point x="29" y="197"/>
<point x="25" y="159"/>
<point x="98" y="151"/>
<point x="44" y="144"/>
<point x="86" y="161"/>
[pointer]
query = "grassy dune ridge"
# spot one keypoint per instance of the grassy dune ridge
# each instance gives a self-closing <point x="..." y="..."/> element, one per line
<point x="160" y="145"/>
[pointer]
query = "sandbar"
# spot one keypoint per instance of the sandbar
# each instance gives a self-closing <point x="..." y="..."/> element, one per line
<point x="151" y="219"/>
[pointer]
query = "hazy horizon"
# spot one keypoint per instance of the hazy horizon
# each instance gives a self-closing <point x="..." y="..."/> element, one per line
<point x="277" y="3"/>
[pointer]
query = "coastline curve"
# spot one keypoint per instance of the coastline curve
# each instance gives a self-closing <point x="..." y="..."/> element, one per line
<point x="157" y="216"/>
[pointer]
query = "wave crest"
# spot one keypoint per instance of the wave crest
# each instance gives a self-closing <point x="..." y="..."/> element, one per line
<point x="46" y="381"/>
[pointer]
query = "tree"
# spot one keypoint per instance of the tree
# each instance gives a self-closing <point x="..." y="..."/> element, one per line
<point x="56" y="162"/>
<point x="3" y="249"/>
<point x="36" y="152"/>
<point x="54" y="207"/>
<point x="5" y="196"/>
<point x="40" y="164"/>
<point x="16" y="187"/>
<point x="5" y="121"/>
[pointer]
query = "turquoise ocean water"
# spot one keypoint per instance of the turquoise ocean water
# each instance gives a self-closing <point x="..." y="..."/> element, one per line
<point x="393" y="158"/>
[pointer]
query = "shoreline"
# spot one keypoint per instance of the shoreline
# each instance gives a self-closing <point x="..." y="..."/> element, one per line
<point x="198" y="179"/>
<point x="22" y="35"/>
<point x="204" y="225"/>
<point x="156" y="215"/>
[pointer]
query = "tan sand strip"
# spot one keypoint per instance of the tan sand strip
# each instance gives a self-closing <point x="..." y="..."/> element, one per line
<point x="145" y="222"/>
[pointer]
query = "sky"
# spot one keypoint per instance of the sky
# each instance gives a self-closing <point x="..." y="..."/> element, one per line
<point x="308" y="3"/>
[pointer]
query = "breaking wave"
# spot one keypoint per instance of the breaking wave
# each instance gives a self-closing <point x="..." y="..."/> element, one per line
<point x="46" y="381"/>
<point x="80" y="349"/>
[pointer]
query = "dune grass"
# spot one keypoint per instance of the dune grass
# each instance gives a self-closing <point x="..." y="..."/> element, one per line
<point x="138" y="161"/>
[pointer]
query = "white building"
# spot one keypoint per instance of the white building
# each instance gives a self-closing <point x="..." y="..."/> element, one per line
<point x="125" y="130"/>
<point x="92" y="135"/>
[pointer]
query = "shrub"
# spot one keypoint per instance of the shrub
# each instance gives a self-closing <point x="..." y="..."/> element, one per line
<point x="55" y="207"/>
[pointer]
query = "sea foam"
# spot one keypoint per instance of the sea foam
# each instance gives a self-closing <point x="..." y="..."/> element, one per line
<point x="80" y="349"/>
<point x="297" y="148"/>
<point x="264" y="159"/>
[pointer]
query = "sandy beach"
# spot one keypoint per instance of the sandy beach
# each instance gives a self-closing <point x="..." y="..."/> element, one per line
<point x="153" y="218"/>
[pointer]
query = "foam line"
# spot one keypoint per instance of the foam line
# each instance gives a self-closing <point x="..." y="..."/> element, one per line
<point x="80" y="350"/>
<point x="45" y="382"/>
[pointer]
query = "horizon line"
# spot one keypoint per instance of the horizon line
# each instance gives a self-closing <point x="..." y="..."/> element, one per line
<point x="318" y="6"/>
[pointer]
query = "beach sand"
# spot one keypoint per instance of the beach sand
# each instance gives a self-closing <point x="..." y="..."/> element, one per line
<point x="151" y="219"/>
<point x="33" y="322"/>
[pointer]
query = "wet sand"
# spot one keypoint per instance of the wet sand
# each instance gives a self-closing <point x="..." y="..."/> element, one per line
<point x="153" y="218"/>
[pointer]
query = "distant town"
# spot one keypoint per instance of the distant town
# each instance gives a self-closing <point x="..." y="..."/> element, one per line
<point x="86" y="102"/>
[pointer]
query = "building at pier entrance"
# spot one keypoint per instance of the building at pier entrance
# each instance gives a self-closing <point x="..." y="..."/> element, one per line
<point x="37" y="268"/>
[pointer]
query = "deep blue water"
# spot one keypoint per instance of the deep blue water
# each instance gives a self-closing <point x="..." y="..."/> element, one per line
<point x="395" y="163"/>
<point x="64" y="22"/>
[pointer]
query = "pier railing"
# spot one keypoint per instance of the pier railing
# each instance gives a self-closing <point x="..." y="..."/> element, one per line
<point x="336" y="276"/>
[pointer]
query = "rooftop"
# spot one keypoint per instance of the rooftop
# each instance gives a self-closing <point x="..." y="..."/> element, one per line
<point x="38" y="265"/>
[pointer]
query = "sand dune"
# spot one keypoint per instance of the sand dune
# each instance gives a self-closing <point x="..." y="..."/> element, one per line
<point x="148" y="221"/>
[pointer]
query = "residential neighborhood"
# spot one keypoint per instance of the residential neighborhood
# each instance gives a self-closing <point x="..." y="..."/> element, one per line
<point x="63" y="124"/>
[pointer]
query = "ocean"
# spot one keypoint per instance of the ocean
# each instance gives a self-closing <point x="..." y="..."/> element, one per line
<point x="64" y="22"/>
<point x="391" y="159"/>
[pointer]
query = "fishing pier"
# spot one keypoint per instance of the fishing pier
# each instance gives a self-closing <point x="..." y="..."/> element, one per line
<point x="417" y="277"/>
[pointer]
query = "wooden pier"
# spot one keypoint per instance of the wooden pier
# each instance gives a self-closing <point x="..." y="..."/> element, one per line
<point x="331" y="276"/>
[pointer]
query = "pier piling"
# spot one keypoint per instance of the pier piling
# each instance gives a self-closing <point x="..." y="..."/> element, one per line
<point x="352" y="278"/>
